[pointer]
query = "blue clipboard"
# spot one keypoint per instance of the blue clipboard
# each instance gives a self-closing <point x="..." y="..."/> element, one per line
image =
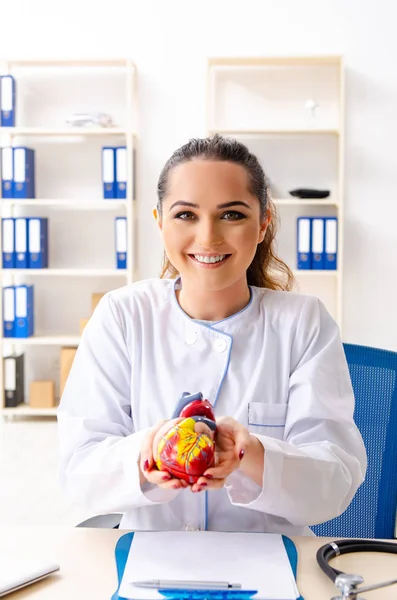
<point x="124" y="543"/>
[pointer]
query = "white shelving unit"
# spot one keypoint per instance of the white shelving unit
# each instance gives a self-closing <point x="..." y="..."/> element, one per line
<point x="263" y="102"/>
<point x="69" y="193"/>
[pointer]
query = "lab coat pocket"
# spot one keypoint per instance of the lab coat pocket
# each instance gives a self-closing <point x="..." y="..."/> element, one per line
<point x="267" y="419"/>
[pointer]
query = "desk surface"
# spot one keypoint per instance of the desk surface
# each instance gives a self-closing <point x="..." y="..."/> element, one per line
<point x="88" y="572"/>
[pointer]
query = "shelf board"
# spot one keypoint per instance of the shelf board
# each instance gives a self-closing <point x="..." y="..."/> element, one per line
<point x="315" y="273"/>
<point x="268" y="61"/>
<point x="304" y="202"/>
<point x="65" y="131"/>
<point x="24" y="410"/>
<point x="269" y="131"/>
<point x="67" y="272"/>
<point x="104" y="63"/>
<point x="45" y="340"/>
<point x="69" y="204"/>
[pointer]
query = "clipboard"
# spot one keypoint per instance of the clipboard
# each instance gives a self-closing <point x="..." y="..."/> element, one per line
<point x="124" y="543"/>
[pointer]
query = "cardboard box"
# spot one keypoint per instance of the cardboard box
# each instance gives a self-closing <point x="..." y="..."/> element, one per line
<point x="42" y="394"/>
<point x="95" y="299"/>
<point x="83" y="323"/>
<point x="67" y="357"/>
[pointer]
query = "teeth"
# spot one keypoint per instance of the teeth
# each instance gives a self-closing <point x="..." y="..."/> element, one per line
<point x="209" y="259"/>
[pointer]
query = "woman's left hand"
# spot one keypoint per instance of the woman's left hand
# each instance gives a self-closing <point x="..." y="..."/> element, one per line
<point x="231" y="443"/>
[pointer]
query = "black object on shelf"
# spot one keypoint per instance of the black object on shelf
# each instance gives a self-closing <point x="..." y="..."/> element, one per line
<point x="309" y="193"/>
<point x="14" y="382"/>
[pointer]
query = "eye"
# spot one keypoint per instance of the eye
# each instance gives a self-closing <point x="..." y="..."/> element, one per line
<point x="233" y="215"/>
<point x="186" y="215"/>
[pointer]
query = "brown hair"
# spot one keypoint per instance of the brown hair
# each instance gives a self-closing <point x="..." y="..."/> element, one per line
<point x="266" y="269"/>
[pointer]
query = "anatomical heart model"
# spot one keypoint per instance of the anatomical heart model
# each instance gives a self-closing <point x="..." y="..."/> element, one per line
<point x="187" y="449"/>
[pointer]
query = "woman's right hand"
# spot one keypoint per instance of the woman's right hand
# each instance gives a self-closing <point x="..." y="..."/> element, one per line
<point x="149" y="471"/>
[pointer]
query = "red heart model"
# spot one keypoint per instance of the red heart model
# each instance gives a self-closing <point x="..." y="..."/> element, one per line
<point x="185" y="452"/>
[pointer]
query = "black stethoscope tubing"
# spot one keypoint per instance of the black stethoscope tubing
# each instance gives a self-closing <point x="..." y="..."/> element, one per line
<point x="333" y="549"/>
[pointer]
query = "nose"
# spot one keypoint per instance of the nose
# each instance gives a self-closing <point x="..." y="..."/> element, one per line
<point x="208" y="234"/>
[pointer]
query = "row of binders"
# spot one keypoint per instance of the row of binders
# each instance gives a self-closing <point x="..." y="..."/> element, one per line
<point x="18" y="311"/>
<point x="18" y="172"/>
<point x="25" y="243"/>
<point x="114" y="172"/>
<point x="317" y="243"/>
<point x="7" y="101"/>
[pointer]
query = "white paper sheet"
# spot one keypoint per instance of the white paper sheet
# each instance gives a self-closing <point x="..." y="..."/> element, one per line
<point x="257" y="561"/>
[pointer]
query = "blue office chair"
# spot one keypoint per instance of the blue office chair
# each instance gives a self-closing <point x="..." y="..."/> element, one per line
<point x="372" y="513"/>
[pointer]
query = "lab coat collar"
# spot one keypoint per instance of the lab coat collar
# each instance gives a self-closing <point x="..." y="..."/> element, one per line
<point x="229" y="324"/>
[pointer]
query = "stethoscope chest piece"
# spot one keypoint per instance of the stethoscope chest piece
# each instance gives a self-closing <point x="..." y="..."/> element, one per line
<point x="346" y="583"/>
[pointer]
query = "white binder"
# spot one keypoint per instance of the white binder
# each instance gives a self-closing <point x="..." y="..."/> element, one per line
<point x="317" y="243"/>
<point x="121" y="172"/>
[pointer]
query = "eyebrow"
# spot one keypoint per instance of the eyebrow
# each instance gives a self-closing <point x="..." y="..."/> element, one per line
<point x="225" y="205"/>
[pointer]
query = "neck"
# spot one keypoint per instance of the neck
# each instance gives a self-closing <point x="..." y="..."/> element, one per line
<point x="213" y="306"/>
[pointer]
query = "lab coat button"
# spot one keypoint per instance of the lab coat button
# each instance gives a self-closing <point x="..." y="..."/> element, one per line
<point x="220" y="345"/>
<point x="191" y="337"/>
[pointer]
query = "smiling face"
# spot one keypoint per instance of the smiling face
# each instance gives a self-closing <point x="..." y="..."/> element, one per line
<point x="211" y="223"/>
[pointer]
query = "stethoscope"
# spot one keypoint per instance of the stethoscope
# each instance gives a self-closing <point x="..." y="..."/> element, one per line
<point x="345" y="582"/>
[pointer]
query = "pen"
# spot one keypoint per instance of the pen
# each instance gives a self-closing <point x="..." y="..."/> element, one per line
<point x="183" y="585"/>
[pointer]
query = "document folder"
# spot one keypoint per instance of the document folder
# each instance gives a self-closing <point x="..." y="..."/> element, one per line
<point x="304" y="254"/>
<point x="121" y="556"/>
<point x="317" y="243"/>
<point x="24" y="311"/>
<point x="121" y="242"/>
<point x="109" y="172"/>
<point x="38" y="242"/>
<point x="9" y="312"/>
<point x="13" y="366"/>
<point x="24" y="173"/>
<point x="8" y="243"/>
<point x="121" y="172"/>
<point x="7" y="171"/>
<point x="331" y="243"/>
<point x="7" y="101"/>
<point x="21" y="243"/>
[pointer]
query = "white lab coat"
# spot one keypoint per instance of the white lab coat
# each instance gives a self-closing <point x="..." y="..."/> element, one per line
<point x="277" y="366"/>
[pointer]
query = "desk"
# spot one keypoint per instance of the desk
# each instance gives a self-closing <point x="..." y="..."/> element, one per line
<point x="88" y="572"/>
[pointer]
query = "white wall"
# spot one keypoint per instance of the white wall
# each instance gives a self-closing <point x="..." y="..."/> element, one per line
<point x="170" y="41"/>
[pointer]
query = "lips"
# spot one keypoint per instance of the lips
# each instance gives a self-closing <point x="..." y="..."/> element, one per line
<point x="209" y="262"/>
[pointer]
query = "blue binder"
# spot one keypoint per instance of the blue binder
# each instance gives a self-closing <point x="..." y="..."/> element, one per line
<point x="38" y="243"/>
<point x="24" y="311"/>
<point x="109" y="172"/>
<point x="121" y="242"/>
<point x="8" y="231"/>
<point x="123" y="547"/>
<point x="9" y="312"/>
<point x="304" y="255"/>
<point x="317" y="245"/>
<point x="21" y="243"/>
<point x="7" y="101"/>
<point x="24" y="177"/>
<point x="121" y="172"/>
<point x="331" y="244"/>
<point x="7" y="172"/>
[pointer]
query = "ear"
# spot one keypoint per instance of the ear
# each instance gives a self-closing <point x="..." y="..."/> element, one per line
<point x="157" y="218"/>
<point x="263" y="227"/>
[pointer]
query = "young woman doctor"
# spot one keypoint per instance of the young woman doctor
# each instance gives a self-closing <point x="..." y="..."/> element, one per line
<point x="270" y="361"/>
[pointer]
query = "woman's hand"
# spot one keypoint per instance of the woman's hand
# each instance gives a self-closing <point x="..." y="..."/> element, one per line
<point x="149" y="471"/>
<point x="232" y="442"/>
